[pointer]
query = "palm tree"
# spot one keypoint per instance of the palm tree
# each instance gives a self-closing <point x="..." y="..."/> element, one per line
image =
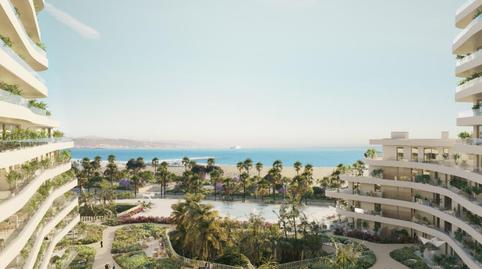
<point x="111" y="170"/>
<point x="244" y="179"/>
<point x="185" y="162"/>
<point x="240" y="166"/>
<point x="198" y="229"/>
<point x="298" y="165"/>
<point x="259" y="168"/>
<point x="134" y="167"/>
<point x="248" y="164"/>
<point x="370" y="153"/>
<point x="215" y="176"/>
<point x="211" y="162"/>
<point x="346" y="255"/>
<point x="263" y="187"/>
<point x="275" y="175"/>
<point x="155" y="164"/>
<point x="163" y="174"/>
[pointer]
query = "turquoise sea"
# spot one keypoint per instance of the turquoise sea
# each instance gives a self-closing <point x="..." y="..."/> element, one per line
<point x="326" y="157"/>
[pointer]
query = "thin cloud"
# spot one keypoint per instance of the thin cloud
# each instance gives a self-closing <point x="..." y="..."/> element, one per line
<point x="63" y="17"/>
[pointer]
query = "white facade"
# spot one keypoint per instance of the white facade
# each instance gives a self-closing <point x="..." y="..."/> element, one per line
<point x="37" y="204"/>
<point x="431" y="188"/>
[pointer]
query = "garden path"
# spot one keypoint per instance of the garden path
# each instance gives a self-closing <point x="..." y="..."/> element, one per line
<point x="103" y="255"/>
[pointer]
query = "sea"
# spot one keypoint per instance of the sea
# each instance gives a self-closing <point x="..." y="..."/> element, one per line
<point x="321" y="157"/>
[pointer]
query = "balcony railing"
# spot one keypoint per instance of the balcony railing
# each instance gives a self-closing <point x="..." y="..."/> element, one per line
<point x="25" y="33"/>
<point x="472" y="141"/>
<point x="469" y="251"/>
<point x="28" y="178"/>
<point x="20" y="61"/>
<point x="9" y="145"/>
<point x="59" y="204"/>
<point x="468" y="58"/>
<point x="464" y="6"/>
<point x="470" y="113"/>
<point x="468" y="84"/>
<point x="19" y="100"/>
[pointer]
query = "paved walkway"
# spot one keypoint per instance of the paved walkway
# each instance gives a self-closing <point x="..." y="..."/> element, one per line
<point x="103" y="255"/>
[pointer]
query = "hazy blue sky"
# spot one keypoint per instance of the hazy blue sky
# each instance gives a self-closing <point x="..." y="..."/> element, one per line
<point x="252" y="72"/>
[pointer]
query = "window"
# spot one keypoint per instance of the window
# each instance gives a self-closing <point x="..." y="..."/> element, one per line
<point x="414" y="154"/>
<point x="399" y="153"/>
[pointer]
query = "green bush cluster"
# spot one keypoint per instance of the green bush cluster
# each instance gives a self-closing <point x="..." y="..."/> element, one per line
<point x="85" y="258"/>
<point x="127" y="239"/>
<point x="129" y="253"/>
<point x="408" y="257"/>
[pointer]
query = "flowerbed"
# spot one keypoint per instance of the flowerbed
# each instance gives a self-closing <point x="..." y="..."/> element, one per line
<point x="128" y="252"/>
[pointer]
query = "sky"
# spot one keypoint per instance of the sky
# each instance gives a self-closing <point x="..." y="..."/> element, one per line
<point x="255" y="73"/>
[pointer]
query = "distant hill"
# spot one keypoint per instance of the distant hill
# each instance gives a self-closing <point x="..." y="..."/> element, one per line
<point x="102" y="142"/>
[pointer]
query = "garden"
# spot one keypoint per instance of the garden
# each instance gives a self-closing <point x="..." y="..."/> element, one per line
<point x="128" y="250"/>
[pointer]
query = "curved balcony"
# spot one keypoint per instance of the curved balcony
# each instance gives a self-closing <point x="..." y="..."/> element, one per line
<point x="470" y="118"/>
<point x="432" y="231"/>
<point x="470" y="91"/>
<point x="445" y="215"/>
<point x="46" y="230"/>
<point x="13" y="204"/>
<point x="466" y="13"/>
<point x="17" y="244"/>
<point x="469" y="65"/>
<point x="444" y="167"/>
<point x="28" y="16"/>
<point x="57" y="238"/>
<point x="15" y="110"/>
<point x="23" y="151"/>
<point x="14" y="70"/>
<point x="447" y="191"/>
<point x="470" y="39"/>
<point x="13" y="28"/>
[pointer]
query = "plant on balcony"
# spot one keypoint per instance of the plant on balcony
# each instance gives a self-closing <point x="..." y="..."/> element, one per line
<point x="467" y="79"/>
<point x="7" y="41"/>
<point x="456" y="158"/>
<point x="422" y="179"/>
<point x="377" y="172"/>
<point x="477" y="14"/>
<point x="459" y="235"/>
<point x="370" y="153"/>
<point x="37" y="104"/>
<point x="42" y="46"/>
<point x="57" y="134"/>
<point x="464" y="135"/>
<point x="476" y="106"/>
<point x="25" y="134"/>
<point x="459" y="57"/>
<point x="12" y="178"/>
<point x="11" y="88"/>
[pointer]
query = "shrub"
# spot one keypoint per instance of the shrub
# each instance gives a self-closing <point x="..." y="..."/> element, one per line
<point x="127" y="238"/>
<point x="133" y="260"/>
<point x="119" y="208"/>
<point x="408" y="257"/>
<point x="234" y="259"/>
<point x="85" y="258"/>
